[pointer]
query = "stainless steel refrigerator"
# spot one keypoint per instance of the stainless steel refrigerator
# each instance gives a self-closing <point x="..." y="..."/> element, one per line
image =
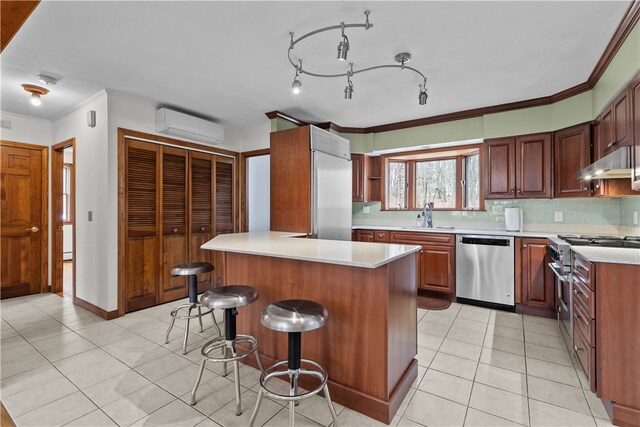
<point x="330" y="186"/>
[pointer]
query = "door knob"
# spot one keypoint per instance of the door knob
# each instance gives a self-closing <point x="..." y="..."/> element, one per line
<point x="33" y="229"/>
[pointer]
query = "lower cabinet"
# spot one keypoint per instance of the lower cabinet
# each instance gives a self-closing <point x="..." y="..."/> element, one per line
<point x="534" y="281"/>
<point x="365" y="236"/>
<point x="436" y="261"/>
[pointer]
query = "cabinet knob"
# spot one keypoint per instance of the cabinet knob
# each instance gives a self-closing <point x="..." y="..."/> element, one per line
<point x="576" y="316"/>
<point x="585" y="188"/>
<point x="175" y="230"/>
<point x="518" y="191"/>
<point x="576" y="348"/>
<point x="513" y="190"/>
<point x="576" y="292"/>
<point x="202" y="228"/>
<point x="611" y="144"/>
<point x="33" y="229"/>
<point x="524" y="246"/>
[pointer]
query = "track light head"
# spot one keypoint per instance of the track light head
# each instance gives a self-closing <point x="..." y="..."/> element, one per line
<point x="348" y="91"/>
<point x="296" y="85"/>
<point x="422" y="95"/>
<point x="343" y="48"/>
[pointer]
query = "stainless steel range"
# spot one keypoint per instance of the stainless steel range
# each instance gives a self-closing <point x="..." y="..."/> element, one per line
<point x="560" y="253"/>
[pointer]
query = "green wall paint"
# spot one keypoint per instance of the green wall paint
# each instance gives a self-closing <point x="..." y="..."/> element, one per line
<point x="459" y="130"/>
<point x="279" y="124"/>
<point x="622" y="68"/>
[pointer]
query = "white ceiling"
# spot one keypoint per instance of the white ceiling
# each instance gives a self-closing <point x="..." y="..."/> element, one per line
<point x="228" y="60"/>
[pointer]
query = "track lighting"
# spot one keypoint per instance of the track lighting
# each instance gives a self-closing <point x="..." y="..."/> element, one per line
<point x="36" y="92"/>
<point x="422" y="95"/>
<point x="343" y="46"/>
<point x="297" y="84"/>
<point x="401" y="59"/>
<point x="348" y="90"/>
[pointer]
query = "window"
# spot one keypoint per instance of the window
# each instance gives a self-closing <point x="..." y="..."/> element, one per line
<point x="448" y="178"/>
<point x="66" y="193"/>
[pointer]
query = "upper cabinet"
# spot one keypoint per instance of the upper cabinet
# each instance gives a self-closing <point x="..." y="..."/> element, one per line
<point x="615" y="126"/>
<point x="366" y="178"/>
<point x="572" y="152"/>
<point x="635" y="151"/>
<point x="518" y="167"/>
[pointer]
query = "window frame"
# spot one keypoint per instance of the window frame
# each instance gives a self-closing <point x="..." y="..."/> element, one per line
<point x="67" y="193"/>
<point x="413" y="157"/>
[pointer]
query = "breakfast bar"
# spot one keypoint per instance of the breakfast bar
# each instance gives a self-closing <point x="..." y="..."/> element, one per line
<point x="368" y="345"/>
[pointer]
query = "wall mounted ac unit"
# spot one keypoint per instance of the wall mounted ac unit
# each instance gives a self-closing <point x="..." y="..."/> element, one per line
<point x="183" y="125"/>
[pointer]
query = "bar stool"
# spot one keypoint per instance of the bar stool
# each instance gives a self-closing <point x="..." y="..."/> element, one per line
<point x="191" y="270"/>
<point x="294" y="317"/>
<point x="228" y="298"/>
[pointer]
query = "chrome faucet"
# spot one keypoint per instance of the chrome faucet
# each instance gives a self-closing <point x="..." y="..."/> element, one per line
<point x="427" y="215"/>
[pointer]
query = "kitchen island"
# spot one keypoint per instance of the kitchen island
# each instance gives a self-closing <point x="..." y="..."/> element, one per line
<point x="368" y="344"/>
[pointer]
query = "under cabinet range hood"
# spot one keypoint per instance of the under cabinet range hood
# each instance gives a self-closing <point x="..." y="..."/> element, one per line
<point x="613" y="165"/>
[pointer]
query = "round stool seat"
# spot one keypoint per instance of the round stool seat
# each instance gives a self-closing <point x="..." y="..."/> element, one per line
<point x="294" y="316"/>
<point x="229" y="297"/>
<point x="191" y="268"/>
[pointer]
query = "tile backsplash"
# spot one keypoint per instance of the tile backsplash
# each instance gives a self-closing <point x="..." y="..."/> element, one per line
<point x="587" y="214"/>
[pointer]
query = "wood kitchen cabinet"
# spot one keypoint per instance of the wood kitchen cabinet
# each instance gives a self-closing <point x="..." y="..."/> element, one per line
<point x="366" y="178"/>
<point x="518" y="167"/>
<point x="635" y="149"/>
<point x="534" y="281"/>
<point x="572" y="152"/>
<point x="365" y="236"/>
<point x="436" y="261"/>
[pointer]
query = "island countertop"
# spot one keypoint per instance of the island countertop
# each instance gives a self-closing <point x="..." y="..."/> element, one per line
<point x="609" y="255"/>
<point x="296" y="246"/>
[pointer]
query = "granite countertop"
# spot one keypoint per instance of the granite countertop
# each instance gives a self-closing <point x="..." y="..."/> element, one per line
<point x="296" y="246"/>
<point x="458" y="231"/>
<point x="608" y="255"/>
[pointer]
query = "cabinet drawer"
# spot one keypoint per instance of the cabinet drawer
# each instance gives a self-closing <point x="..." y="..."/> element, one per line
<point x="381" y="236"/>
<point x="418" y="238"/>
<point x="583" y="295"/>
<point x="586" y="355"/>
<point x="582" y="269"/>
<point x="584" y="322"/>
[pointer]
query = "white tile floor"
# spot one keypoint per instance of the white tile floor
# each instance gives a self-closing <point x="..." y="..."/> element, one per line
<point x="62" y="365"/>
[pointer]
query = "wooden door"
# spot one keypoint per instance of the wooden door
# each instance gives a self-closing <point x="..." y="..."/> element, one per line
<point x="174" y="222"/>
<point x="201" y="178"/>
<point x="622" y="121"/>
<point x="357" y="178"/>
<point x="365" y="236"/>
<point x="572" y="149"/>
<point x="635" y="150"/>
<point x="437" y="272"/>
<point x="533" y="166"/>
<point x="499" y="169"/>
<point x="607" y="134"/>
<point x="224" y="215"/>
<point x="143" y="229"/>
<point x="23" y="230"/>
<point x="537" y="285"/>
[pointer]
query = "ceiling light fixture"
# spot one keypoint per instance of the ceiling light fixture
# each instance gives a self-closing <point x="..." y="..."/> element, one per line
<point x="348" y="90"/>
<point x="401" y="60"/>
<point x="47" y="80"/>
<point x="36" y="92"/>
<point x="297" y="84"/>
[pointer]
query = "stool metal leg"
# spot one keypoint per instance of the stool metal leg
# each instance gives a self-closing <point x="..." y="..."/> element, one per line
<point x="259" y="361"/>
<point x="195" y="387"/>
<point x="200" y="318"/>
<point x="331" y="408"/>
<point x="236" y="378"/>
<point x="186" y="333"/>
<point x="173" y="320"/>
<point x="292" y="412"/>
<point x="256" y="409"/>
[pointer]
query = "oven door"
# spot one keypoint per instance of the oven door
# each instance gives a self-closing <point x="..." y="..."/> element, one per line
<point x="563" y="297"/>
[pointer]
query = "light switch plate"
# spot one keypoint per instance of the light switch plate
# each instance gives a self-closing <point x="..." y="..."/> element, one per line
<point x="90" y="216"/>
<point x="366" y="210"/>
<point x="557" y="216"/>
<point x="635" y="217"/>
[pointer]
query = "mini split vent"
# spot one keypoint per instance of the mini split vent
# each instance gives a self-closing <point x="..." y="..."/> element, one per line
<point x="186" y="126"/>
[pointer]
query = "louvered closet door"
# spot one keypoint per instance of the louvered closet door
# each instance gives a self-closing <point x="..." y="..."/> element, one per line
<point x="201" y="173"/>
<point x="224" y="212"/>
<point x="174" y="222"/>
<point x="143" y="220"/>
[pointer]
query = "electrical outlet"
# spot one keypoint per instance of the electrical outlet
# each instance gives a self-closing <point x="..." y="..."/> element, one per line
<point x="635" y="217"/>
<point x="90" y="216"/>
<point x="366" y="210"/>
<point x="557" y="216"/>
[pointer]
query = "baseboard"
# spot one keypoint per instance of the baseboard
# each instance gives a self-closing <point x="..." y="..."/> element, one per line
<point x="536" y="311"/>
<point x="625" y="415"/>
<point x="107" y="315"/>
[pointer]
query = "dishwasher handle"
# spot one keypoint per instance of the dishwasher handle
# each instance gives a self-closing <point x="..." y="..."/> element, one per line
<point x="484" y="240"/>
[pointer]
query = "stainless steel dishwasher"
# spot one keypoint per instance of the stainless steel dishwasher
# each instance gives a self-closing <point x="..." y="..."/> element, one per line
<point x="485" y="270"/>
